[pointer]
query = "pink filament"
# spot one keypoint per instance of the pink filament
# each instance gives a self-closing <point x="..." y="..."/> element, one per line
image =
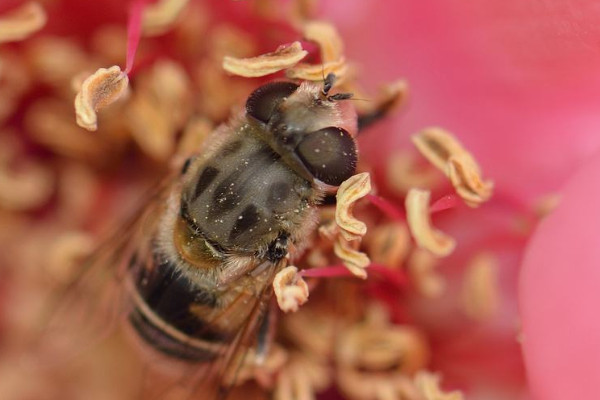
<point x="134" y="31"/>
<point x="445" y="203"/>
<point x="394" y="276"/>
<point x="326" y="272"/>
<point x="387" y="207"/>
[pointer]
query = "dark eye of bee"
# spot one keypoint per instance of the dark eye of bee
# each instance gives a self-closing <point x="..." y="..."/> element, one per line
<point x="329" y="154"/>
<point x="263" y="101"/>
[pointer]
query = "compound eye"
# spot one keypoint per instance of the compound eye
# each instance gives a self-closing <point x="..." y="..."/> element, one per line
<point x="263" y="101"/>
<point x="329" y="154"/>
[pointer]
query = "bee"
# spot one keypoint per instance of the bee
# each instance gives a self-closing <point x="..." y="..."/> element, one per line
<point x="235" y="213"/>
<point x="198" y="263"/>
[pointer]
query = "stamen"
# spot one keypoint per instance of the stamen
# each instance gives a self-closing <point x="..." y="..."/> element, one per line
<point x="389" y="244"/>
<point x="376" y="357"/>
<point x="390" y="210"/>
<point x="349" y="192"/>
<point x="27" y="187"/>
<point x="290" y="289"/>
<point x="326" y="36"/>
<point x="159" y="108"/>
<point x="429" y="387"/>
<point x="449" y="156"/>
<point x="480" y="297"/>
<point x="423" y="274"/>
<point x="65" y="253"/>
<point x="283" y="57"/>
<point x="326" y="272"/>
<point x="419" y="223"/>
<point x="22" y="22"/>
<point x="314" y="72"/>
<point x="134" y="31"/>
<point x="444" y="203"/>
<point x="356" y="261"/>
<point x="99" y="90"/>
<point x="159" y="17"/>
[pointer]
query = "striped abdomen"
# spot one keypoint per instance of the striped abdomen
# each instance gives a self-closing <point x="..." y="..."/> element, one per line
<point x="180" y="319"/>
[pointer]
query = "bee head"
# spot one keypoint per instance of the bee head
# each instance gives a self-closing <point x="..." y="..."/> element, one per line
<point x="305" y="125"/>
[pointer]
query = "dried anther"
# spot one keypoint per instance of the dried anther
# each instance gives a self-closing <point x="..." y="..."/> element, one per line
<point x="465" y="176"/>
<point x="448" y="155"/>
<point x="258" y="367"/>
<point x="160" y="16"/>
<point x="349" y="192"/>
<point x="376" y="358"/>
<point x="422" y="269"/>
<point x="159" y="107"/>
<point x="291" y="290"/>
<point x="284" y="57"/>
<point x="428" y="385"/>
<point x="22" y="22"/>
<point x="403" y="174"/>
<point x="24" y="183"/>
<point x="315" y="73"/>
<point x="102" y="88"/>
<point x="480" y="295"/>
<point x="332" y="60"/>
<point x="27" y="188"/>
<point x="301" y="378"/>
<point x="419" y="223"/>
<point x="327" y="37"/>
<point x="66" y="252"/>
<point x="356" y="261"/>
<point x="389" y="244"/>
<point x="351" y="230"/>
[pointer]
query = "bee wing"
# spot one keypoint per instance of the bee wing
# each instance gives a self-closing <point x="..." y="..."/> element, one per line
<point x="233" y="362"/>
<point x="91" y="305"/>
<point x="251" y="339"/>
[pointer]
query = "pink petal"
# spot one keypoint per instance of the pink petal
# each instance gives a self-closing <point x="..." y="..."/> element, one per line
<point x="516" y="80"/>
<point x="560" y="294"/>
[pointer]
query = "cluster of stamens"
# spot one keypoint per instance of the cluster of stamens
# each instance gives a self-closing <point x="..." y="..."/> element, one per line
<point x="339" y="337"/>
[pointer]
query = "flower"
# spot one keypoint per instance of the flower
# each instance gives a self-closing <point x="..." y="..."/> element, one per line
<point x="420" y="326"/>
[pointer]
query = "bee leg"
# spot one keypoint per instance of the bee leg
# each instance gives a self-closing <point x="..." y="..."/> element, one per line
<point x="278" y="248"/>
<point x="186" y="165"/>
<point x="264" y="335"/>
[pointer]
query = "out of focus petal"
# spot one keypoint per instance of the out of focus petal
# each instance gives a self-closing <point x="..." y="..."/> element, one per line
<point x="516" y="80"/>
<point x="560" y="294"/>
